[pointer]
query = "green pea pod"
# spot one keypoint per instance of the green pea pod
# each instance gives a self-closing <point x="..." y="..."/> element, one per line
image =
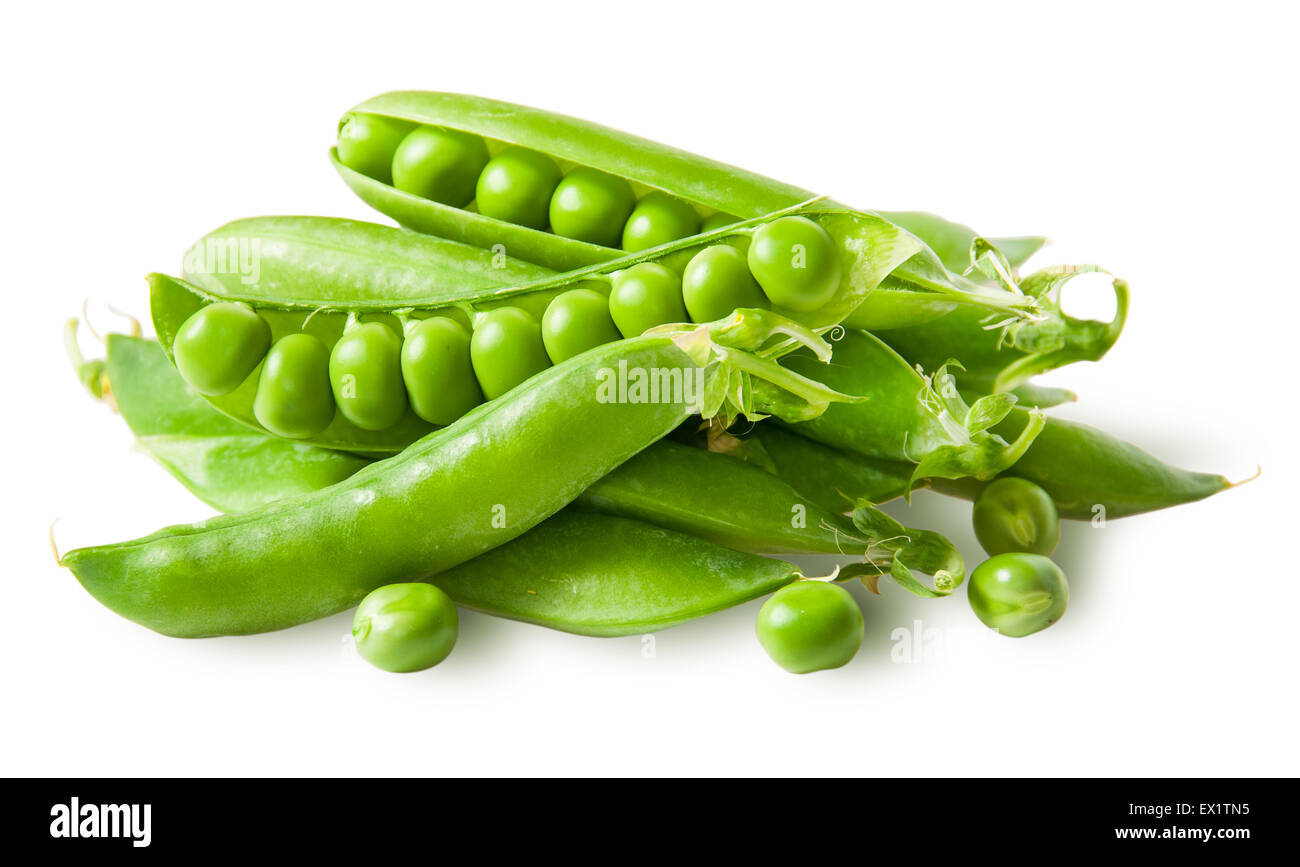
<point x="227" y="465"/>
<point x="1088" y="473"/>
<point x="315" y="264"/>
<point x="1093" y="475"/>
<point x="604" y="575"/>
<point x="460" y="491"/>
<point x="669" y="485"/>
<point x="343" y="264"/>
<point x="910" y="417"/>
<point x="956" y="245"/>
<point x="1001" y="355"/>
<point x="920" y="289"/>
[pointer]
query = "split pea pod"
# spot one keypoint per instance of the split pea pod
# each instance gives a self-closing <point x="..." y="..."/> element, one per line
<point x="458" y="492"/>
<point x="668" y="485"/>
<point x="432" y="336"/>
<point x="596" y="189"/>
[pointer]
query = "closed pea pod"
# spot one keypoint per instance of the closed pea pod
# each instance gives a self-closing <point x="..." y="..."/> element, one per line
<point x="367" y="143"/>
<point x="294" y="398"/>
<point x="439" y="164"/>
<point x="576" y="321"/>
<point x="366" y="376"/>
<point x="644" y="296"/>
<point x="438" y="370"/>
<point x="516" y="186"/>
<point x="591" y="206"/>
<point x="716" y="281"/>
<point x="659" y="219"/>
<point x="219" y="346"/>
<point x="506" y="349"/>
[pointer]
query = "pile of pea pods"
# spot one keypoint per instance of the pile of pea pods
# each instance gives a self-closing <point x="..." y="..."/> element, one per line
<point x="601" y="385"/>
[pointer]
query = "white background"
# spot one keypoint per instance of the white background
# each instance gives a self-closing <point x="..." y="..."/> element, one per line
<point x="1155" y="139"/>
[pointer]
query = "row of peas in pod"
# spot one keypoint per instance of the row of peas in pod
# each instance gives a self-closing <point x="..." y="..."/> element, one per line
<point x="517" y="185"/>
<point x="382" y="364"/>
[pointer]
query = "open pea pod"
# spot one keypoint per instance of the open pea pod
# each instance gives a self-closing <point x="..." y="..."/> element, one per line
<point x="314" y="289"/>
<point x="627" y="181"/>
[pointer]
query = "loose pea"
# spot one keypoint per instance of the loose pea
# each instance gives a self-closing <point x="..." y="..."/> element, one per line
<point x="576" y="321"/>
<point x="219" y="346"/>
<point x="1018" y="594"/>
<point x="366" y="375"/>
<point x="405" y="627"/>
<point x="644" y="296"/>
<point x="810" y="626"/>
<point x="1015" y="515"/>
<point x="439" y="164"/>
<point x="293" y="395"/>
<point x="659" y="219"/>
<point x="717" y="220"/>
<point x="438" y="372"/>
<point x="717" y="281"/>
<point x="796" y="263"/>
<point x="367" y="143"/>
<point x="516" y="186"/>
<point x="506" y="349"/>
<point x="591" y="206"/>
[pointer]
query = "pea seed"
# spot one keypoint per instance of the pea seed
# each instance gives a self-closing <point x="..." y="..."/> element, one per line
<point x="439" y="164"/>
<point x="438" y="372"/>
<point x="293" y="394"/>
<point x="644" y="296"/>
<point x="366" y="376"/>
<point x="576" y="321"/>
<point x="591" y="206"/>
<point x="219" y="346"/>
<point x="506" y="349"/>
<point x="516" y="186"/>
<point x="659" y="219"/>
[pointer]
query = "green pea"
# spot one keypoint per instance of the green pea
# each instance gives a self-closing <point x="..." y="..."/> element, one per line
<point x="810" y="626"/>
<point x="1018" y="594"/>
<point x="506" y="349"/>
<point x="1015" y="515"/>
<point x="576" y="321"/>
<point x="717" y="220"/>
<point x="516" y="186"/>
<point x="438" y="372"/>
<point x="591" y="206"/>
<point x="293" y="394"/>
<point x="219" y="346"/>
<point x="367" y="143"/>
<point x="644" y="296"/>
<point x="659" y="219"/>
<point x="405" y="627"/>
<point x="439" y="164"/>
<point x="717" y="281"/>
<point x="366" y="375"/>
<point x="796" y="263"/>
